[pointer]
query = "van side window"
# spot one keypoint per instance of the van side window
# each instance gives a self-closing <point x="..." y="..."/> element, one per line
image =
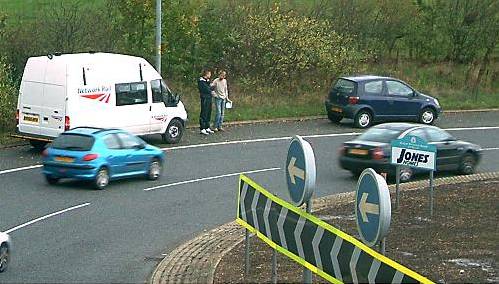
<point x="373" y="88"/>
<point x="131" y="93"/>
<point x="156" y="91"/>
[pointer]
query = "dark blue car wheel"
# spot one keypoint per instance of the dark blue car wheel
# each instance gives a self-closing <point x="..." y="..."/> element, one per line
<point x="363" y="119"/>
<point x="427" y="116"/>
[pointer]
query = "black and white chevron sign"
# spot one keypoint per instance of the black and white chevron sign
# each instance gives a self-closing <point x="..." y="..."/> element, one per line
<point x="325" y="250"/>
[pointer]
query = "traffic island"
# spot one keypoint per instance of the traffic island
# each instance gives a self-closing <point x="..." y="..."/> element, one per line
<point x="456" y="245"/>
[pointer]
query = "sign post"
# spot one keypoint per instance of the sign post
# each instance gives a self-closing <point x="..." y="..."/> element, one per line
<point x="313" y="243"/>
<point x="372" y="208"/>
<point x="412" y="151"/>
<point x="300" y="177"/>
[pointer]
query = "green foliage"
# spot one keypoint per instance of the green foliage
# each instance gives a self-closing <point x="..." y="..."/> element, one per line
<point x="274" y="51"/>
<point x="8" y="97"/>
<point x="279" y="47"/>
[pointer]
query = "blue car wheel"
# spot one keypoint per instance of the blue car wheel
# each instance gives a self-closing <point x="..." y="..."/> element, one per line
<point x="51" y="180"/>
<point x="102" y="178"/>
<point x="154" y="169"/>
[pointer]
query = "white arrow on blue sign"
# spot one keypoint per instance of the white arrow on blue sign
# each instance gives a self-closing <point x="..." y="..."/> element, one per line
<point x="300" y="170"/>
<point x="372" y="207"/>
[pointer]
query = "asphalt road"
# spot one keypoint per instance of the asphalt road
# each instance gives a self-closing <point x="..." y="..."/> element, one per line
<point x="120" y="234"/>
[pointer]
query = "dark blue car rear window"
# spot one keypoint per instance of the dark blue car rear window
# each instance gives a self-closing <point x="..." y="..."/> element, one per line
<point x="344" y="86"/>
<point x="73" y="142"/>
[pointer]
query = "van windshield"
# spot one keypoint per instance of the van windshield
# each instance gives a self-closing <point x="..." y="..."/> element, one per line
<point x="74" y="142"/>
<point x="344" y="86"/>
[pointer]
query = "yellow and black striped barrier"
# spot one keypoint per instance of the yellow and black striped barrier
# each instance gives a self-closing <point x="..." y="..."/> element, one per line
<point x="323" y="249"/>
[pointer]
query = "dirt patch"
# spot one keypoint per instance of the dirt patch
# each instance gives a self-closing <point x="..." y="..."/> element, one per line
<point x="459" y="244"/>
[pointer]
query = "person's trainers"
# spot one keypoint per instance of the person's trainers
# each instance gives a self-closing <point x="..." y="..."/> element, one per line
<point x="205" y="132"/>
<point x="216" y="129"/>
<point x="209" y="130"/>
<point x="221" y="129"/>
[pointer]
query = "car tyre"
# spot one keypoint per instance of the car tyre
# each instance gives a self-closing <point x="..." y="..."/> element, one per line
<point x="51" y="180"/>
<point x="154" y="169"/>
<point x="406" y="174"/>
<point x="427" y="116"/>
<point x="173" y="132"/>
<point x="363" y="119"/>
<point x="101" y="178"/>
<point x="468" y="164"/>
<point x="38" y="145"/>
<point x="334" y="117"/>
<point x="4" y="257"/>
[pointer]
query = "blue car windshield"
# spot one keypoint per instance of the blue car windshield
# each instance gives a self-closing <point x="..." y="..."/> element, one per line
<point x="73" y="142"/>
<point x="381" y="135"/>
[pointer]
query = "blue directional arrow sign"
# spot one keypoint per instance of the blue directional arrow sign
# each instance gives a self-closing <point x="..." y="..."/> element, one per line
<point x="372" y="207"/>
<point x="300" y="171"/>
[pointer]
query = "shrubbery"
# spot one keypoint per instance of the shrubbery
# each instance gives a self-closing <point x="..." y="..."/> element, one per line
<point x="8" y="97"/>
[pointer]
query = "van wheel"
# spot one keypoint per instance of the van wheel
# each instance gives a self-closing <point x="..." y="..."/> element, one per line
<point x="102" y="178"/>
<point x="154" y="169"/>
<point x="37" y="144"/>
<point x="4" y="257"/>
<point x="363" y="119"/>
<point x="427" y="116"/>
<point x="334" y="117"/>
<point x="173" y="132"/>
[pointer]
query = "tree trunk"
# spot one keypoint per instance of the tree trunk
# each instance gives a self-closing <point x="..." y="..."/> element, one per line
<point x="481" y="71"/>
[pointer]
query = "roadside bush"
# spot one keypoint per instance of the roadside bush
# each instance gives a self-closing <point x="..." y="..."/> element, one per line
<point x="8" y="97"/>
<point x="282" y="48"/>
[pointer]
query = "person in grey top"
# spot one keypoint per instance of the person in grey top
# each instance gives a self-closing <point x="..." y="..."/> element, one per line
<point x="221" y="95"/>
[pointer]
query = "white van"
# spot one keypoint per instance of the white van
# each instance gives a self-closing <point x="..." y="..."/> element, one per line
<point x="63" y="91"/>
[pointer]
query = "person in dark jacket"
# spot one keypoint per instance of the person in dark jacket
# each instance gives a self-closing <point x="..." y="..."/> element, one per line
<point x="205" y="94"/>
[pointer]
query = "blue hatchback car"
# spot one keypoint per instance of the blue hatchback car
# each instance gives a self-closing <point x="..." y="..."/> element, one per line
<point x="100" y="155"/>
<point x="367" y="99"/>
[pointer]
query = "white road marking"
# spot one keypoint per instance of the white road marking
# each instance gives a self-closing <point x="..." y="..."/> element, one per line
<point x="259" y="140"/>
<point x="472" y="128"/>
<point x="209" y="178"/>
<point x="490" y="149"/>
<point x="20" y="169"/>
<point x="265" y="140"/>
<point x="45" y="217"/>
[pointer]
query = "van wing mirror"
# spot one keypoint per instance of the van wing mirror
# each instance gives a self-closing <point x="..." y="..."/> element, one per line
<point x="171" y="99"/>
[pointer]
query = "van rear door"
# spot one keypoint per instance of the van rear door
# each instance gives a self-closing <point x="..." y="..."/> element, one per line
<point x="31" y="96"/>
<point x="54" y="98"/>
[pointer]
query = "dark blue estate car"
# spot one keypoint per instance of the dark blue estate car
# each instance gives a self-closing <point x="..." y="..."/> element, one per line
<point x="366" y="99"/>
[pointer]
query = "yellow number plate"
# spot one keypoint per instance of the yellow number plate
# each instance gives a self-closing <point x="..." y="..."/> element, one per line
<point x="358" y="151"/>
<point x="30" y="118"/>
<point x="65" y="159"/>
<point x="336" y="109"/>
